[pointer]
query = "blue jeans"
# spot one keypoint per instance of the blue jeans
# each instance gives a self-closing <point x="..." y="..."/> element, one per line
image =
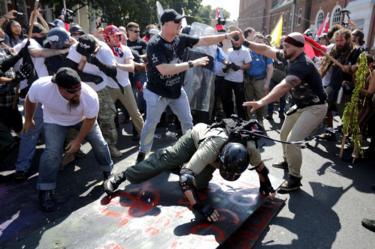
<point x="155" y="107"/>
<point x="29" y="141"/>
<point x="52" y="155"/>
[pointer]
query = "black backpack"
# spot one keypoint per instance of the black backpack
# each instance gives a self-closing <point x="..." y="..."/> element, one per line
<point x="241" y="131"/>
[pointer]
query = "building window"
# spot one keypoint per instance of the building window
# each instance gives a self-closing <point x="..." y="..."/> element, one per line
<point x="299" y="17"/>
<point x="336" y="15"/>
<point x="319" y="18"/>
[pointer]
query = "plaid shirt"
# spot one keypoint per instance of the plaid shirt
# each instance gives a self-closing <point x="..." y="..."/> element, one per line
<point x="7" y="91"/>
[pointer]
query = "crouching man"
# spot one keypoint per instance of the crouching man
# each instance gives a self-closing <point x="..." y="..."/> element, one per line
<point x="197" y="154"/>
<point x="67" y="102"/>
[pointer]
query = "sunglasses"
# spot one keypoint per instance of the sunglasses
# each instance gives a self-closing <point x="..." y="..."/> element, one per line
<point x="135" y="31"/>
<point x="177" y="21"/>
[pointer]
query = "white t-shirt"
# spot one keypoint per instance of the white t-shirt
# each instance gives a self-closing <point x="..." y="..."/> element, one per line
<point x="56" y="109"/>
<point x="104" y="54"/>
<point x="122" y="75"/>
<point x="38" y="62"/>
<point x="238" y="57"/>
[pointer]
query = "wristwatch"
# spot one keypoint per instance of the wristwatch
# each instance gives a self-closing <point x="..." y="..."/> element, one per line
<point x="190" y="63"/>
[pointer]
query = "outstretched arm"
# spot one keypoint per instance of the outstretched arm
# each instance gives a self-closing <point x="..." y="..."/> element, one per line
<point x="262" y="49"/>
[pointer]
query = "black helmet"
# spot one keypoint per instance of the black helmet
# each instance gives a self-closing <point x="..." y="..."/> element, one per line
<point x="234" y="160"/>
<point x="76" y="30"/>
<point x="58" y="38"/>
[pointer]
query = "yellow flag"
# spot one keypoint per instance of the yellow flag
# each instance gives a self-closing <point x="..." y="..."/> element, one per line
<point x="277" y="32"/>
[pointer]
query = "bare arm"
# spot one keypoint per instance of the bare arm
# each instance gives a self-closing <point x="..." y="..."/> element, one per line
<point x="29" y="115"/>
<point x="277" y="92"/>
<point x="172" y="69"/>
<point x="214" y="39"/>
<point x="245" y="66"/>
<point x="268" y="76"/>
<point x="128" y="66"/>
<point x="86" y="127"/>
<point x="46" y="52"/>
<point x="262" y="49"/>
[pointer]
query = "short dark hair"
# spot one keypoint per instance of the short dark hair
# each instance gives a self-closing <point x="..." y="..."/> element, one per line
<point x="361" y="36"/>
<point x="248" y="31"/>
<point x="333" y="30"/>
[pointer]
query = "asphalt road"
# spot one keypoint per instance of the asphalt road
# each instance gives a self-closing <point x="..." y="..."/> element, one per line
<point x="325" y="213"/>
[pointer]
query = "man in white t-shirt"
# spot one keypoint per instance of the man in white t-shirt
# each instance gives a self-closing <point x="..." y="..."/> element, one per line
<point x="67" y="103"/>
<point x="124" y="64"/>
<point x="87" y="48"/>
<point x="238" y="61"/>
<point x="36" y="56"/>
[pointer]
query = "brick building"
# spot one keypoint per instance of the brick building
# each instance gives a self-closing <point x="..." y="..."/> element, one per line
<point x="296" y="14"/>
<point x="255" y="14"/>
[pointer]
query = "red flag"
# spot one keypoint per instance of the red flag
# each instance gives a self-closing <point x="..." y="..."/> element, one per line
<point x="323" y="28"/>
<point x="313" y="48"/>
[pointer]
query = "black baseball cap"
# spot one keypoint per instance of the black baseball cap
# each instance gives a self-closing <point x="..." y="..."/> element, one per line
<point x="76" y="29"/>
<point x="86" y="45"/>
<point x="67" y="78"/>
<point x="170" y="15"/>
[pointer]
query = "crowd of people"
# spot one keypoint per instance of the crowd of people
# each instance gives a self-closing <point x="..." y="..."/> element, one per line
<point x="73" y="85"/>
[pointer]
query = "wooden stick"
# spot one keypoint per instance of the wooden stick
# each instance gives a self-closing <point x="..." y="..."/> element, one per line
<point x="329" y="57"/>
<point x="342" y="146"/>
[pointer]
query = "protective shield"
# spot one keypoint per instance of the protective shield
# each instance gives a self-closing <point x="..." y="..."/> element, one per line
<point x="199" y="81"/>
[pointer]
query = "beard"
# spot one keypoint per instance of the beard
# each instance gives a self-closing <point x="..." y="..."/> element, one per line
<point x="74" y="102"/>
<point x="344" y="48"/>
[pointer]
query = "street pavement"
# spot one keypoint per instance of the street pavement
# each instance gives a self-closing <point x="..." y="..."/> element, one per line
<point x="328" y="210"/>
<point x="326" y="213"/>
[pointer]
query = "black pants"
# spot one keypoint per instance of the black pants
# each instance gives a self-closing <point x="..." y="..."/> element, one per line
<point x="239" y="92"/>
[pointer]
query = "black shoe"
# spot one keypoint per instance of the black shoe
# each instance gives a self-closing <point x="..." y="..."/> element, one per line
<point x="269" y="117"/>
<point x="106" y="175"/>
<point x="280" y="165"/>
<point x="20" y="176"/>
<point x="369" y="224"/>
<point x="141" y="156"/>
<point x="292" y="184"/>
<point x="47" y="201"/>
<point x="111" y="184"/>
<point x="281" y="116"/>
<point x="328" y="135"/>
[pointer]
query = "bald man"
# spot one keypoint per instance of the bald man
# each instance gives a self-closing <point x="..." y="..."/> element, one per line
<point x="304" y="83"/>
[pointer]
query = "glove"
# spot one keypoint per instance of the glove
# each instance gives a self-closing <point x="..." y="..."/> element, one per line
<point x="234" y="67"/>
<point x="91" y="58"/>
<point x="202" y="211"/>
<point x="24" y="50"/>
<point x="25" y="72"/>
<point x="265" y="186"/>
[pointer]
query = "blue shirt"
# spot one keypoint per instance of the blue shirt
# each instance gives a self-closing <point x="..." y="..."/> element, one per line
<point x="258" y="66"/>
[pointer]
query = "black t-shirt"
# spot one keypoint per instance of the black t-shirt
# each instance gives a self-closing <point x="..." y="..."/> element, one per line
<point x="310" y="90"/>
<point x="138" y="45"/>
<point x="159" y="52"/>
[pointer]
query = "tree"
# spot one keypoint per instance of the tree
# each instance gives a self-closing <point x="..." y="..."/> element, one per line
<point x="120" y="12"/>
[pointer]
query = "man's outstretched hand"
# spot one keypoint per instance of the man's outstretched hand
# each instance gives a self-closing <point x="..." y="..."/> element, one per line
<point x="205" y="212"/>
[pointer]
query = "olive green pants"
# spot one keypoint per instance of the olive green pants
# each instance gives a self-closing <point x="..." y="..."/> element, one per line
<point x="169" y="159"/>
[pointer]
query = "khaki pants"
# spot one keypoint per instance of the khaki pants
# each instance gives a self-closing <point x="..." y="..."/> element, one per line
<point x="128" y="101"/>
<point x="297" y="127"/>
<point x="254" y="90"/>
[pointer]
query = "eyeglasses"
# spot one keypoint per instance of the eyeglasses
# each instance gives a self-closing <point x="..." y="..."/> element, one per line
<point x="135" y="31"/>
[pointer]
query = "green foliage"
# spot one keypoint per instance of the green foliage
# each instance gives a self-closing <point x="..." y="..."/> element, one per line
<point x="351" y="112"/>
<point x="143" y="12"/>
